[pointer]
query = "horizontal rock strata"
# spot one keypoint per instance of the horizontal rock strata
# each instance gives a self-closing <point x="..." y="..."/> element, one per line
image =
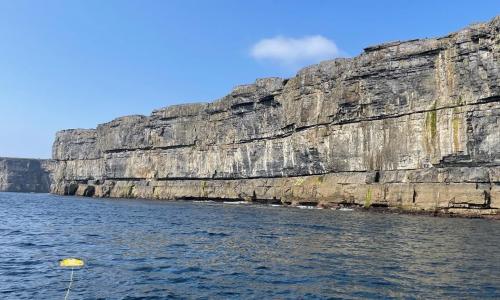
<point x="413" y="125"/>
<point x="25" y="175"/>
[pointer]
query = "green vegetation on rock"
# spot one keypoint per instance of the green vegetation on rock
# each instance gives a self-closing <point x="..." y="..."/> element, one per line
<point x="368" y="198"/>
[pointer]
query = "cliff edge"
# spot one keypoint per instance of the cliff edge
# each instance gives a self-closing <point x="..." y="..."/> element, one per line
<point x="412" y="125"/>
<point x="25" y="175"/>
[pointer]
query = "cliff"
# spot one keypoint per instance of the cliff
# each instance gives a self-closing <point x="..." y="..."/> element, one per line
<point x="25" y="175"/>
<point x="413" y="125"/>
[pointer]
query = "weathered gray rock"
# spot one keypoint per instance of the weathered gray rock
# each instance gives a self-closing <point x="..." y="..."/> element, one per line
<point x="25" y="175"/>
<point x="409" y="124"/>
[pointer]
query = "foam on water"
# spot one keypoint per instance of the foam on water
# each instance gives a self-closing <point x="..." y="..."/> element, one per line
<point x="344" y="209"/>
<point x="306" y="207"/>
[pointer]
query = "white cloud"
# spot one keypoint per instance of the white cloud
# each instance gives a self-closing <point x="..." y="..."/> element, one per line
<point x="295" y="51"/>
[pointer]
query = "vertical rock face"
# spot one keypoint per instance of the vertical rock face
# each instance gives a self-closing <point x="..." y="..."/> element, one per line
<point x="409" y="124"/>
<point x="25" y="175"/>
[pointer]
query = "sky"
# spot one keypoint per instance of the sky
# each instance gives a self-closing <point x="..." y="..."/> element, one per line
<point x="78" y="63"/>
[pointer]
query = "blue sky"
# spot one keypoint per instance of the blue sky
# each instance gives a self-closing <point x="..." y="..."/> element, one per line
<point x="74" y="64"/>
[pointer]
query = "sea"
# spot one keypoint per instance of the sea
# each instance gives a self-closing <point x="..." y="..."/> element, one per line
<point x="150" y="249"/>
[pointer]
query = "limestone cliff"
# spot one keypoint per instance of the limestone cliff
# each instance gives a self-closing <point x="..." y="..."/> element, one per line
<point x="412" y="124"/>
<point x="25" y="175"/>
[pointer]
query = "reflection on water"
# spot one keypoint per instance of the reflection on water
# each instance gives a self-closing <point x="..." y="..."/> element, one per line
<point x="161" y="250"/>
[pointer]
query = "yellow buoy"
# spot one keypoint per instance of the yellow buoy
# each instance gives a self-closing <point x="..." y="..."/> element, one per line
<point x="71" y="263"/>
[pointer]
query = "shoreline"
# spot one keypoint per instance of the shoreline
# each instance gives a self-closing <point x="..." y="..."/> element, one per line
<point x="347" y="207"/>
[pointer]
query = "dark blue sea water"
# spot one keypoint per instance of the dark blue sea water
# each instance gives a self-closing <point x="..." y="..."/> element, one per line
<point x="137" y="249"/>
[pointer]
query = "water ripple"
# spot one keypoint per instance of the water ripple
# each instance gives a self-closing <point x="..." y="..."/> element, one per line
<point x="185" y="250"/>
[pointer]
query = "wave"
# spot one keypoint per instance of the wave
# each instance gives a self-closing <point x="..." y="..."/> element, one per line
<point x="236" y="202"/>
